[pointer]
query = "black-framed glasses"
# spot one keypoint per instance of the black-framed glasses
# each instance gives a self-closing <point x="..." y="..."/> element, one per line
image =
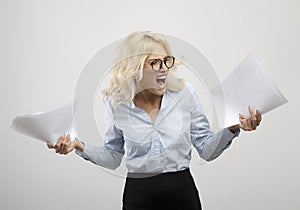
<point x="156" y="64"/>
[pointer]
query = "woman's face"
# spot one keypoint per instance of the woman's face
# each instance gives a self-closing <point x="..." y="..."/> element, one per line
<point x="155" y="81"/>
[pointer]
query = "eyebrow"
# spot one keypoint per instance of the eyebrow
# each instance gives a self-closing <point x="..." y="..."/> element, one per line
<point x="152" y="59"/>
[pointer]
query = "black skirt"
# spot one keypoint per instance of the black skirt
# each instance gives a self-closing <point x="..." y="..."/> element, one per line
<point x="167" y="191"/>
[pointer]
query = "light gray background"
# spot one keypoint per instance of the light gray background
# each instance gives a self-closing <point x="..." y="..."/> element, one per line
<point x="45" y="45"/>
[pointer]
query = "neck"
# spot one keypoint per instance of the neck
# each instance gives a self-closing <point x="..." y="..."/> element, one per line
<point x="148" y="97"/>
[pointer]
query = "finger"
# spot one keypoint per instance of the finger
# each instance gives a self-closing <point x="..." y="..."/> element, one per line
<point x="259" y="117"/>
<point x="59" y="141"/>
<point x="253" y="125"/>
<point x="61" y="149"/>
<point x="69" y="147"/>
<point x="243" y="125"/>
<point x="244" y="116"/>
<point x="66" y="145"/>
<point x="249" y="124"/>
<point x="63" y="144"/>
<point x="253" y="118"/>
<point x="246" y="123"/>
<point x="50" y="146"/>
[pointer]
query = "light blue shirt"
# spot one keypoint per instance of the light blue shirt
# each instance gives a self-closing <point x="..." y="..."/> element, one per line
<point x="164" y="145"/>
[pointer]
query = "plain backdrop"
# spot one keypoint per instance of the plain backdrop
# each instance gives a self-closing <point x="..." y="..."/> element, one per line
<point x="46" y="44"/>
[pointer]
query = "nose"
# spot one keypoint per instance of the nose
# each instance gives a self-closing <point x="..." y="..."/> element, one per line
<point x="163" y="68"/>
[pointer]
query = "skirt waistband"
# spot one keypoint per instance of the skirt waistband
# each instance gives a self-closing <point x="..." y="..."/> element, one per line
<point x="153" y="174"/>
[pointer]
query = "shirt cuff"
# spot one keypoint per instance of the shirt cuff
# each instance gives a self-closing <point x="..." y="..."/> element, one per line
<point x="234" y="134"/>
<point x="85" y="152"/>
<point x="228" y="136"/>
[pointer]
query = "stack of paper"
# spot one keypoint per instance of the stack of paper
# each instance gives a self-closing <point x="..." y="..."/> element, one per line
<point x="248" y="85"/>
<point x="46" y="126"/>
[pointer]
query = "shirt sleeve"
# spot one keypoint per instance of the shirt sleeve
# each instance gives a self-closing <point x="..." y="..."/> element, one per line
<point x="111" y="153"/>
<point x="209" y="145"/>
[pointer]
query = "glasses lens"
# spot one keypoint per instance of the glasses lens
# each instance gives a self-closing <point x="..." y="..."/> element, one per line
<point x="156" y="64"/>
<point x="169" y="61"/>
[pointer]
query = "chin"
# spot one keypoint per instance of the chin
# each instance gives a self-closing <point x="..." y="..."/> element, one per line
<point x="158" y="92"/>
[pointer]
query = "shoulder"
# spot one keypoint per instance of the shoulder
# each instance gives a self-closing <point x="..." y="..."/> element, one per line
<point x="186" y="90"/>
<point x="108" y="104"/>
<point x="184" y="97"/>
<point x="189" y="87"/>
<point x="107" y="100"/>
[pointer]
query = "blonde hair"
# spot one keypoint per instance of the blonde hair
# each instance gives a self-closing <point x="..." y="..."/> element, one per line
<point x="129" y="64"/>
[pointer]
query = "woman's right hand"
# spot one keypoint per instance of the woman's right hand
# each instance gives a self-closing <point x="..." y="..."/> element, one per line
<point x="64" y="145"/>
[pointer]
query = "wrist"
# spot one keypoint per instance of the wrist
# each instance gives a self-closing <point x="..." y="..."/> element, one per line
<point x="78" y="145"/>
<point x="233" y="128"/>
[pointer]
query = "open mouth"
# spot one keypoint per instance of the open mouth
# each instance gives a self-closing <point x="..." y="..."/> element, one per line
<point x="161" y="81"/>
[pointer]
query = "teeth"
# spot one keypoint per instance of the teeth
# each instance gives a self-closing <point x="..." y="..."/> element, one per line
<point x="162" y="77"/>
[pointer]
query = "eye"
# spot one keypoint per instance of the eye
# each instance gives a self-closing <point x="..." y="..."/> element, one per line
<point x="169" y="61"/>
<point x="155" y="62"/>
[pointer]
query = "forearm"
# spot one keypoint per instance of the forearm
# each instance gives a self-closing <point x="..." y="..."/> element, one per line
<point x="101" y="155"/>
<point x="215" y="145"/>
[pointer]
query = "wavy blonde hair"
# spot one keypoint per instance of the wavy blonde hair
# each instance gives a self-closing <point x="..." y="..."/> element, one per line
<point x="129" y="64"/>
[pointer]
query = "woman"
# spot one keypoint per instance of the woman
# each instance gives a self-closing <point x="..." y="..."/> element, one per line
<point x="157" y="117"/>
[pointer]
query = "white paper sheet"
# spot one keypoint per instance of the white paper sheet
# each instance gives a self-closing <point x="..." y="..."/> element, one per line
<point x="46" y="126"/>
<point x="249" y="84"/>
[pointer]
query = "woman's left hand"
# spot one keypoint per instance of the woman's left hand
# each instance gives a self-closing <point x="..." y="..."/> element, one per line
<point x="248" y="123"/>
